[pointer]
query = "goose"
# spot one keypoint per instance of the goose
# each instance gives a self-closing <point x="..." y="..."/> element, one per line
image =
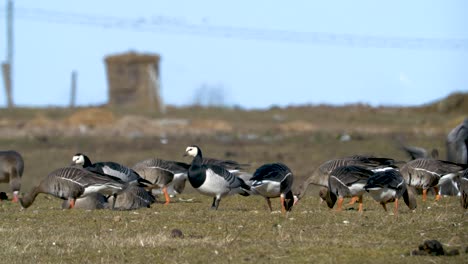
<point x="11" y="170"/>
<point x="163" y="174"/>
<point x="274" y="180"/>
<point x="464" y="189"/>
<point x="213" y="180"/>
<point x="93" y="201"/>
<point x="133" y="197"/>
<point x="457" y="143"/>
<point x="170" y="176"/>
<point x="70" y="183"/>
<point x="320" y="175"/>
<point x="346" y="181"/>
<point x="427" y="173"/>
<point x="387" y="186"/>
<point x="108" y="168"/>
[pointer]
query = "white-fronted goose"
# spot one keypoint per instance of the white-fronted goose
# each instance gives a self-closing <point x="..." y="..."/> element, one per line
<point x="457" y="143"/>
<point x="320" y="175"/>
<point x="347" y="182"/>
<point x="70" y="183"/>
<point x="274" y="180"/>
<point x="133" y="197"/>
<point x="108" y="168"/>
<point x="93" y="201"/>
<point x="163" y="174"/>
<point x="427" y="173"/>
<point x="11" y="170"/>
<point x="213" y="180"/>
<point x="387" y="186"/>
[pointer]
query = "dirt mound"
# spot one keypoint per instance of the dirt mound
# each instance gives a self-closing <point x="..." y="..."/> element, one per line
<point x="91" y="117"/>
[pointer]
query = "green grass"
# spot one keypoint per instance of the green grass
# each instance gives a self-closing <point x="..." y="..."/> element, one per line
<point x="242" y="230"/>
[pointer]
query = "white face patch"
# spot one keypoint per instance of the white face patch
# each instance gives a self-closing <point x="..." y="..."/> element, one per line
<point x="191" y="151"/>
<point x="78" y="159"/>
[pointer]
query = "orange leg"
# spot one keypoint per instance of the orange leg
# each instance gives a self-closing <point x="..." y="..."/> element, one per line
<point x="283" y="209"/>
<point x="395" y="210"/>
<point x="360" y="204"/>
<point x="354" y="199"/>
<point x="15" y="197"/>
<point x="166" y="195"/>
<point x="438" y="196"/>
<point x="340" y="204"/>
<point x="424" y="195"/>
<point x="72" y="203"/>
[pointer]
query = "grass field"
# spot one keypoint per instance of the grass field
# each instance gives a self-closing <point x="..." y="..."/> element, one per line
<point x="242" y="230"/>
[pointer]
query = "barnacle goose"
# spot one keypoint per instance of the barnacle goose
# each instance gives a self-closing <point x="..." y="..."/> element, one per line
<point x="274" y="180"/>
<point x="109" y="168"/>
<point x="213" y="180"/>
<point x="11" y="170"/>
<point x="387" y="186"/>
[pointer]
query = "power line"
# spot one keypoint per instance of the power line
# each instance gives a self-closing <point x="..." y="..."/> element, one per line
<point x="172" y="25"/>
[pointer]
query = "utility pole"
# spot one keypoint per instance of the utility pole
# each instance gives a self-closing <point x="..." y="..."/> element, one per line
<point x="73" y="90"/>
<point x="7" y="66"/>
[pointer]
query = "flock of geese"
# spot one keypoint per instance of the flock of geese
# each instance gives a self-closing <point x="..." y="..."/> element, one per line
<point x="111" y="185"/>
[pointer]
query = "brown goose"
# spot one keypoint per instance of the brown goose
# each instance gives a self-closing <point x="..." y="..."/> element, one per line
<point x="133" y="197"/>
<point x="11" y="170"/>
<point x="320" y="175"/>
<point x="70" y="183"/>
<point x="427" y="173"/>
<point x="347" y="181"/>
<point x="163" y="174"/>
<point x="93" y="201"/>
<point x="457" y="143"/>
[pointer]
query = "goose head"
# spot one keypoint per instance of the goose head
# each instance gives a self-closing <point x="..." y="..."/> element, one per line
<point x="192" y="151"/>
<point x="78" y="159"/>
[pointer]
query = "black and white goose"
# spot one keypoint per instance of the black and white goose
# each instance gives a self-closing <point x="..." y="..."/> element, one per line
<point x="11" y="170"/>
<point x="464" y="189"/>
<point x="170" y="176"/>
<point x="110" y="168"/>
<point x="274" y="180"/>
<point x="428" y="173"/>
<point x="387" y="186"/>
<point x="213" y="180"/>
<point x="346" y="182"/>
<point x="70" y="183"/>
<point x="320" y="175"/>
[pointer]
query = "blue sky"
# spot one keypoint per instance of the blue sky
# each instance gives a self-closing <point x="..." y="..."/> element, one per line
<point x="263" y="69"/>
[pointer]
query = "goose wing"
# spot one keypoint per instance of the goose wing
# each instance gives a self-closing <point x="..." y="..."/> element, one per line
<point x="230" y="165"/>
<point x="232" y="180"/>
<point x="386" y="179"/>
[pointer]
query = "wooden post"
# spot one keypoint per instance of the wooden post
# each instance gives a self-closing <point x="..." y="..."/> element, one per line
<point x="7" y="67"/>
<point x="7" y="81"/>
<point x="73" y="90"/>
